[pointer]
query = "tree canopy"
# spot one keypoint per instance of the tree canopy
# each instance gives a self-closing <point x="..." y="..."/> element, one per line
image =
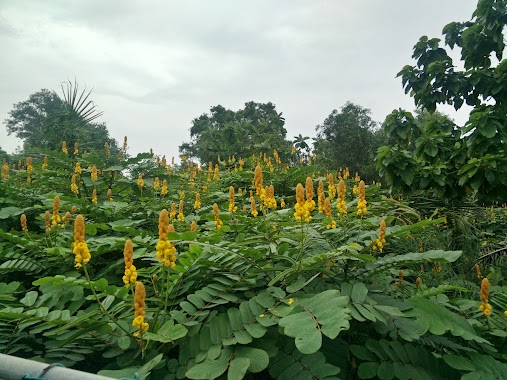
<point x="348" y="138"/>
<point x="256" y="128"/>
<point x="475" y="157"/>
<point x="44" y="120"/>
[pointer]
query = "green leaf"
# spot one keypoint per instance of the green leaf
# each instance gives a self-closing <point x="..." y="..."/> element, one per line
<point x="359" y="292"/>
<point x="459" y="362"/>
<point x="168" y="332"/>
<point x="237" y="368"/>
<point x="208" y="369"/>
<point x="259" y="359"/>
<point x="367" y="370"/>
<point x="29" y="298"/>
<point x="124" y="342"/>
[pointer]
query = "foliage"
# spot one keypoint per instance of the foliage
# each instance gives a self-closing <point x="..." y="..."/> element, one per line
<point x="45" y="120"/>
<point x="257" y="128"/>
<point x="348" y="138"/>
<point x="472" y="158"/>
<point x="263" y="296"/>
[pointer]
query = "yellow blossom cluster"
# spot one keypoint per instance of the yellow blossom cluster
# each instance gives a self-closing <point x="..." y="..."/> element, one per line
<point x="94" y="174"/>
<point x="29" y="165"/>
<point x="381" y="240"/>
<point x="301" y="207"/>
<point x="253" y="206"/>
<point x="267" y="197"/>
<point x="64" y="148"/>
<point x="79" y="248"/>
<point x="47" y="221"/>
<point x="107" y="150"/>
<point x="193" y="226"/>
<point x="232" y="201"/>
<point x="77" y="168"/>
<point x="73" y="185"/>
<point x="181" y="217"/>
<point x="485" y="305"/>
<point x="361" y="203"/>
<point x="109" y="195"/>
<point x="258" y="180"/>
<point x="22" y="220"/>
<point x="165" y="249"/>
<point x="172" y="214"/>
<point x="164" y="191"/>
<point x="218" y="222"/>
<point x="156" y="184"/>
<point x="130" y="276"/>
<point x="216" y="173"/>
<point x="76" y="149"/>
<point x="310" y="203"/>
<point x="197" y="203"/>
<point x="140" y="181"/>
<point x="55" y="218"/>
<point x="139" y="313"/>
<point x="5" y="170"/>
<point x="341" y="205"/>
<point x="321" y="197"/>
<point x="94" y="196"/>
<point x="45" y="163"/>
<point x="329" y="214"/>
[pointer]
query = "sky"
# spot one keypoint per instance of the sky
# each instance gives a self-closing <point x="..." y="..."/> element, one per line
<point x="154" y="66"/>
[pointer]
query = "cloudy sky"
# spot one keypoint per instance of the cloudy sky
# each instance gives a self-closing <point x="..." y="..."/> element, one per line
<point x="156" y="65"/>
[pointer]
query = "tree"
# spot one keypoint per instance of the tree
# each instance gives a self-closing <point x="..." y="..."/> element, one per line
<point x="478" y="160"/>
<point x="257" y="128"/>
<point x="348" y="139"/>
<point x="45" y="120"/>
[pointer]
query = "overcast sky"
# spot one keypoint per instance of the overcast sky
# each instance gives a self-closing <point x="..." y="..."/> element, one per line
<point x="156" y="65"/>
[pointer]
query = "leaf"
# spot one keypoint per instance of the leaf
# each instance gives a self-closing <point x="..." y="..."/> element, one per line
<point x="238" y="368"/>
<point x="168" y="332"/>
<point x="7" y="212"/>
<point x="124" y="342"/>
<point x="208" y="369"/>
<point x="29" y="298"/>
<point x="359" y="292"/>
<point x="459" y="362"/>
<point x="258" y="358"/>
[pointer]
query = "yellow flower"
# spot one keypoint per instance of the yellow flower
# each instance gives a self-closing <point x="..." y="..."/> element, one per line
<point x="258" y="180"/>
<point x="341" y="205"/>
<point x="282" y="203"/>
<point x="156" y="184"/>
<point x="109" y="195"/>
<point x="55" y="219"/>
<point x="24" y="227"/>
<point x="29" y="165"/>
<point x="181" y="217"/>
<point x="218" y="221"/>
<point x="64" y="147"/>
<point x="140" y="181"/>
<point x="73" y="185"/>
<point x="47" y="221"/>
<point x="380" y="241"/>
<point x="130" y="276"/>
<point x="139" y="305"/>
<point x="193" y="226"/>
<point x="107" y="150"/>
<point x="232" y="203"/>
<point x="94" y="196"/>
<point x="291" y="301"/>
<point x="197" y="203"/>
<point x="253" y="207"/>
<point x="164" y="191"/>
<point x="165" y="249"/>
<point x="45" y="163"/>
<point x="79" y="247"/>
<point x="78" y="169"/>
<point x="5" y="170"/>
<point x="302" y="211"/>
<point x="361" y="204"/>
<point x="321" y="197"/>
<point x="76" y="149"/>
<point x="94" y="174"/>
<point x="485" y="306"/>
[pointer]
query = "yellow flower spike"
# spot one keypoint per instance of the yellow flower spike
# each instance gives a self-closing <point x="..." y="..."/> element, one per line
<point x="216" y="173"/>
<point x="282" y="203"/>
<point x="76" y="149"/>
<point x="341" y="205"/>
<point x="78" y="169"/>
<point x="193" y="226"/>
<point x="181" y="217"/>
<point x="109" y="195"/>
<point x="79" y="248"/>
<point x="94" y="174"/>
<point x="218" y="221"/>
<point x="172" y="214"/>
<point x="22" y="220"/>
<point x="55" y="218"/>
<point x="5" y="170"/>
<point x="302" y="211"/>
<point x="130" y="276"/>
<point x="321" y="197"/>
<point x="47" y="221"/>
<point x="107" y="150"/>
<point x="156" y="184"/>
<point x="164" y="191"/>
<point x="140" y="181"/>
<point x="197" y="203"/>
<point x="478" y="271"/>
<point x="381" y="240"/>
<point x="258" y="180"/>
<point x="418" y="282"/>
<point x="64" y="148"/>
<point x="29" y="165"/>
<point x="232" y="202"/>
<point x="139" y="313"/>
<point x="485" y="306"/>
<point x="45" y="163"/>
<point x="94" y="196"/>
<point x="361" y="203"/>
<point x="73" y="185"/>
<point x="66" y="218"/>
<point x="253" y="207"/>
<point x="165" y="249"/>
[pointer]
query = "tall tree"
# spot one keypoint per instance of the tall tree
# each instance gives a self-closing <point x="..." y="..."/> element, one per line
<point x="45" y="120"/>
<point x="479" y="156"/>
<point x="347" y="138"/>
<point x="257" y="128"/>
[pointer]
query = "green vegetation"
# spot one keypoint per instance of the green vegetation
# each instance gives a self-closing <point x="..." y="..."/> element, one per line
<point x="266" y="261"/>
